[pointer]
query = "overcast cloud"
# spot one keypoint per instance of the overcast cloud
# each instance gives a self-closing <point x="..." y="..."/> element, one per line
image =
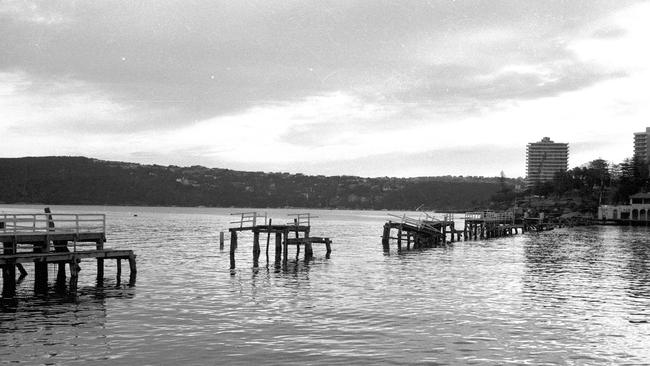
<point x="373" y="88"/>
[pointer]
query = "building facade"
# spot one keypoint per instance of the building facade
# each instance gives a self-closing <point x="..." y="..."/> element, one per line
<point x="642" y="145"/>
<point x="638" y="210"/>
<point x="544" y="159"/>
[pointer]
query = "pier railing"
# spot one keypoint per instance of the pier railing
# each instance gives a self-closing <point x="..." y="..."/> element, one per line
<point x="15" y="224"/>
<point x="301" y="219"/>
<point x="426" y="223"/>
<point x="250" y="219"/>
<point x="488" y="216"/>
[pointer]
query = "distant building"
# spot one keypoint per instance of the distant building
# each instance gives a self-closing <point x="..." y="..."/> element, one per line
<point x="641" y="145"/>
<point x="637" y="210"/>
<point x="544" y="159"/>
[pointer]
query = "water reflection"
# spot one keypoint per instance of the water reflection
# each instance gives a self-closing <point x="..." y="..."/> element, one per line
<point x="50" y="328"/>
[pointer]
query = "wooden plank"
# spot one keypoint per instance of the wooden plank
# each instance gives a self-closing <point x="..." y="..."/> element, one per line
<point x="62" y="256"/>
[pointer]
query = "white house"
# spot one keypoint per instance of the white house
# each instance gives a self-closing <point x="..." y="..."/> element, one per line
<point x="637" y="210"/>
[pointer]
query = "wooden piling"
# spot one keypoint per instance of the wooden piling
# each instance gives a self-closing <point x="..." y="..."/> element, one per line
<point x="221" y="240"/>
<point x="309" y="250"/>
<point x="285" y="250"/>
<point x="399" y="237"/>
<point x="133" y="271"/>
<point x="386" y="237"/>
<point x="256" y="248"/>
<point x="268" y="239"/>
<point x="40" y="268"/>
<point x="100" y="261"/>
<point x="328" y="247"/>
<point x="233" y="246"/>
<point x="9" y="280"/>
<point x="74" y="273"/>
<point x="278" y="247"/>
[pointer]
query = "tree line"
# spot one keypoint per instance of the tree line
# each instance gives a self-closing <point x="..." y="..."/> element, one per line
<point x="80" y="180"/>
<point x="592" y="184"/>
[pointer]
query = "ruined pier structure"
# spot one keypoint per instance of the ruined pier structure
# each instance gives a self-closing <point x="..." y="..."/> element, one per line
<point x="420" y="232"/>
<point x="59" y="239"/>
<point x="428" y="231"/>
<point x="488" y="224"/>
<point x="295" y="232"/>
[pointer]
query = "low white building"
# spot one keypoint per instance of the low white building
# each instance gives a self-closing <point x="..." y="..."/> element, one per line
<point x="637" y="210"/>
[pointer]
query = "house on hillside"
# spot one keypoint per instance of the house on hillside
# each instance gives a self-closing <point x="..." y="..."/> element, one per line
<point x="638" y="210"/>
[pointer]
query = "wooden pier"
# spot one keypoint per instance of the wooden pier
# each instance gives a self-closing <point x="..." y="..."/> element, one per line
<point x="428" y="231"/>
<point x="294" y="233"/>
<point x="34" y="238"/>
<point x="420" y="233"/>
<point x="488" y="224"/>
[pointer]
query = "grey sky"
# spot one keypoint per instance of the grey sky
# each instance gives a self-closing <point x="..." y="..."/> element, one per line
<point x="323" y="87"/>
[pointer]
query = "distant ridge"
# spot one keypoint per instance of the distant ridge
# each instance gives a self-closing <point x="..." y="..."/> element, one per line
<point x="81" y="180"/>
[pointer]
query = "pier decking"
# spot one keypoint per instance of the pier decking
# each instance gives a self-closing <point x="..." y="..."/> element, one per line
<point x="58" y="239"/>
<point x="260" y="224"/>
<point x="428" y="231"/>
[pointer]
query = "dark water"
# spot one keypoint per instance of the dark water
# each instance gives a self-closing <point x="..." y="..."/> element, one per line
<point x="569" y="296"/>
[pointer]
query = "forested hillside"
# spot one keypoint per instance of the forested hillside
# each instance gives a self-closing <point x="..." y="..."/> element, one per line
<point x="79" y="180"/>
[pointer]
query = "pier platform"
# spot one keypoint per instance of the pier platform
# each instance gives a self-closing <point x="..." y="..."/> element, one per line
<point x="59" y="239"/>
<point x="427" y="231"/>
<point x="419" y="232"/>
<point x="260" y="224"/>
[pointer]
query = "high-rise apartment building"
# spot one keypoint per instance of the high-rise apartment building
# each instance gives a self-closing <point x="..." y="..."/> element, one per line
<point x="642" y="145"/>
<point x="544" y="159"/>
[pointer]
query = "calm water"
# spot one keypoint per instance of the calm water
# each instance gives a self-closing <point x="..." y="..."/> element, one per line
<point x="570" y="296"/>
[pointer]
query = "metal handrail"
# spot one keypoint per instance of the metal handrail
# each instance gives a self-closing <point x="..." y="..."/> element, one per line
<point x="42" y="223"/>
<point x="301" y="219"/>
<point x="249" y="217"/>
<point x="489" y="216"/>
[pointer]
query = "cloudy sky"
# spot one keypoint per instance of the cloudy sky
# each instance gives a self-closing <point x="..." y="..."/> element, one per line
<point x="371" y="88"/>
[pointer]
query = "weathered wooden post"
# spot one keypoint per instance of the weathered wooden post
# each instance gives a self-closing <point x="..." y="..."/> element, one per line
<point x="295" y="223"/>
<point x="100" y="261"/>
<point x="118" y="263"/>
<point x="309" y="250"/>
<point x="256" y="248"/>
<point x="221" y="240"/>
<point x="452" y="230"/>
<point x="465" y="230"/>
<point x="9" y="279"/>
<point x="285" y="250"/>
<point x="328" y="246"/>
<point x="385" y="237"/>
<point x="268" y="239"/>
<point x="74" y="273"/>
<point x="399" y="246"/>
<point x="233" y="246"/>
<point x="40" y="269"/>
<point x="278" y="247"/>
<point x="399" y="236"/>
<point x="133" y="271"/>
<point x="444" y="231"/>
<point x="8" y="272"/>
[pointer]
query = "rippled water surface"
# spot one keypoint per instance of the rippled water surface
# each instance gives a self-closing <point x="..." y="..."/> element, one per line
<point x="568" y="296"/>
